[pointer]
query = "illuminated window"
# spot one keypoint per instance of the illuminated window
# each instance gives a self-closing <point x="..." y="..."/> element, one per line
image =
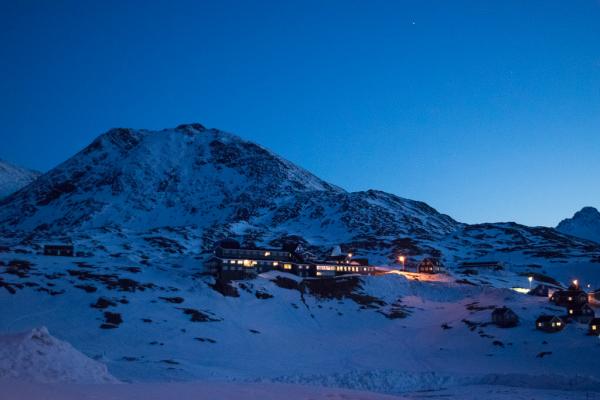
<point x="558" y="324"/>
<point x="267" y="253"/>
<point x="594" y="327"/>
<point x="287" y="266"/>
<point x="240" y="261"/>
<point x="539" y="324"/>
<point x="275" y="263"/>
<point x="570" y="311"/>
<point x="570" y="298"/>
<point x="231" y="261"/>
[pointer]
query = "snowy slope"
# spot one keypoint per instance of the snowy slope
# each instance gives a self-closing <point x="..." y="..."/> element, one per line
<point x="13" y="178"/>
<point x="584" y="224"/>
<point x="163" y="322"/>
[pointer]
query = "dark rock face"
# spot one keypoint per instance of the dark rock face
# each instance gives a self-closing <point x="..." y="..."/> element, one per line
<point x="585" y="224"/>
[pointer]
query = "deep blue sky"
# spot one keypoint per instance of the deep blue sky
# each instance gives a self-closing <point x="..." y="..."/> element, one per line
<point x="488" y="111"/>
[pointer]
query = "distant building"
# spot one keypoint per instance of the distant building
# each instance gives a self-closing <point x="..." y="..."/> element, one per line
<point x="581" y="313"/>
<point x="231" y="261"/>
<point x="429" y="266"/>
<point x="505" y="317"/>
<point x="540" y="290"/>
<point x="573" y="296"/>
<point x="594" y="327"/>
<point x="549" y="323"/>
<point x="493" y="265"/>
<point x="62" y="250"/>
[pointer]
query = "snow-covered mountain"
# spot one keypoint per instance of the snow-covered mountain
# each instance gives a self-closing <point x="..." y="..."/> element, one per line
<point x="218" y="185"/>
<point x="13" y="178"/>
<point x="584" y="224"/>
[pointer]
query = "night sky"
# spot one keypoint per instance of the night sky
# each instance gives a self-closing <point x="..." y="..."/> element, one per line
<point x="488" y="111"/>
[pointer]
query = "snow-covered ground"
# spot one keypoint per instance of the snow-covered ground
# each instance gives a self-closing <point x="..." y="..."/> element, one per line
<point x="388" y="334"/>
<point x="210" y="390"/>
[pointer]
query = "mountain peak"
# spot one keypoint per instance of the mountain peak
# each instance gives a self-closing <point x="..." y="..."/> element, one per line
<point x="13" y="178"/>
<point x="584" y="224"/>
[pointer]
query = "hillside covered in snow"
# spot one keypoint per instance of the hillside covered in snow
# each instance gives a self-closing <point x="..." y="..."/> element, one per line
<point x="13" y="178"/>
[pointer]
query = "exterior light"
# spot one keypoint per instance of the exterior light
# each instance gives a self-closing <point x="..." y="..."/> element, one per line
<point x="402" y="260"/>
<point x="575" y="282"/>
<point x="530" y="280"/>
<point x="349" y="255"/>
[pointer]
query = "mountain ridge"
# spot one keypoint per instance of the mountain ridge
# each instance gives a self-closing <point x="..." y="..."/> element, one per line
<point x="585" y="224"/>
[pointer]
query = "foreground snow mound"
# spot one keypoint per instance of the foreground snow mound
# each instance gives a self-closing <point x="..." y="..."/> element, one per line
<point x="36" y="356"/>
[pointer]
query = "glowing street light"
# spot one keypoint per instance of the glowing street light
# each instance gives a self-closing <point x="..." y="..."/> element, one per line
<point x="575" y="283"/>
<point x="402" y="260"/>
<point x="530" y="280"/>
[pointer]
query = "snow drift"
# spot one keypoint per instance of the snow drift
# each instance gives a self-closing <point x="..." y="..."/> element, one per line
<point x="36" y="356"/>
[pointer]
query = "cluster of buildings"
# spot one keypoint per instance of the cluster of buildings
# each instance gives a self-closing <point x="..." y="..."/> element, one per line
<point x="231" y="261"/>
<point x="575" y="302"/>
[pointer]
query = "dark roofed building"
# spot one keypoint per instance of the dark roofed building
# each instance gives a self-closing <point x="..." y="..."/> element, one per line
<point x="540" y="290"/>
<point x="569" y="297"/>
<point x="505" y="317"/>
<point x="494" y="265"/>
<point x="62" y="250"/>
<point x="429" y="266"/>
<point x="581" y="313"/>
<point x="549" y="323"/>
<point x="594" y="327"/>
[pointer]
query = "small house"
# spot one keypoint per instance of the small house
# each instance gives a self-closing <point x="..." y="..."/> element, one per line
<point x="549" y="323"/>
<point x="504" y="317"/>
<point x="580" y="313"/>
<point x="429" y="266"/>
<point x="570" y="297"/>
<point x="492" y="265"/>
<point x="594" y="327"/>
<point x="62" y="250"/>
<point x="540" y="290"/>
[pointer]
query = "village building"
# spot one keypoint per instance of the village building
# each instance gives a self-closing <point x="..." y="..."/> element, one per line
<point x="549" y="323"/>
<point x="573" y="296"/>
<point x="231" y="261"/>
<point x="594" y="327"/>
<point x="580" y="313"/>
<point x="504" y="317"/>
<point x="540" y="290"/>
<point x="429" y="266"/>
<point x="61" y="250"/>
<point x="493" y="265"/>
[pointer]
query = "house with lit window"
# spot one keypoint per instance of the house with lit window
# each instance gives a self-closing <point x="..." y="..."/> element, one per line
<point x="580" y="313"/>
<point x="573" y="296"/>
<point x="594" y="327"/>
<point x="429" y="266"/>
<point x="231" y="261"/>
<point x="549" y="323"/>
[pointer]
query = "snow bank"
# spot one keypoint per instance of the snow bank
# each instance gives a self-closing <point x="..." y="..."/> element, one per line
<point x="36" y="356"/>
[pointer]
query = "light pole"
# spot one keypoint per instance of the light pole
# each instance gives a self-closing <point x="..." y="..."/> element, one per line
<point x="530" y="280"/>
<point x="402" y="260"/>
